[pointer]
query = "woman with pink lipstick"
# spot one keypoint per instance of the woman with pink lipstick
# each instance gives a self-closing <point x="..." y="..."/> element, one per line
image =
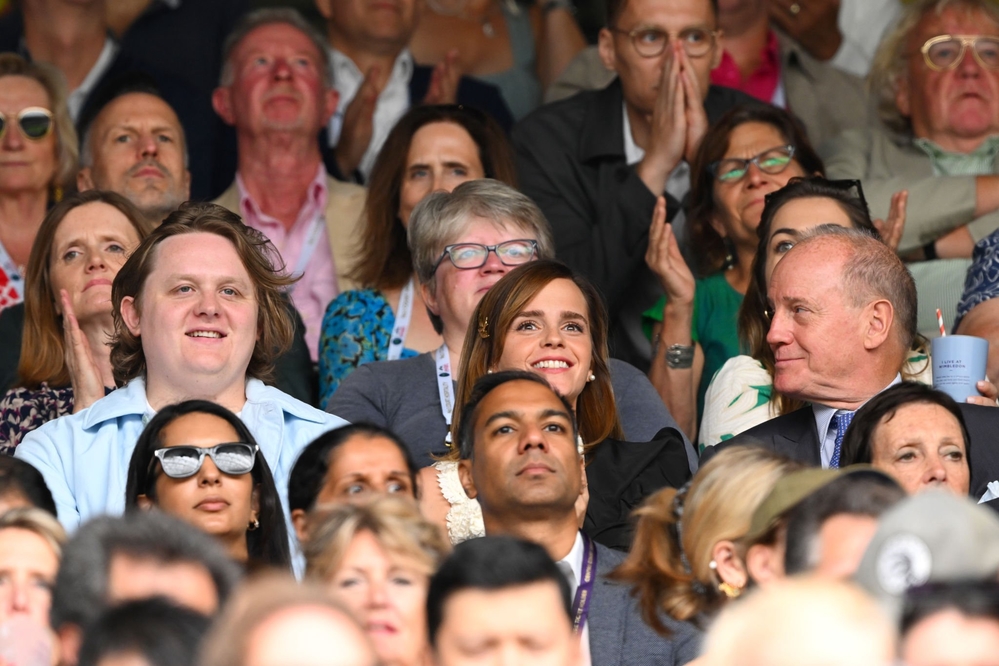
<point x="546" y="319"/>
<point x="38" y="154"/>
<point x="197" y="461"/>
<point x="65" y="361"/>
<point x="377" y="559"/>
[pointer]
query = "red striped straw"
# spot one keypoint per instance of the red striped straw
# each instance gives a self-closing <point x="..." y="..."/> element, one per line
<point x="943" y="331"/>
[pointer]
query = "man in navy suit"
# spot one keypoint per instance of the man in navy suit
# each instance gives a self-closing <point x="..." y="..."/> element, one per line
<point x="844" y="317"/>
<point x="519" y="458"/>
<point x="378" y="80"/>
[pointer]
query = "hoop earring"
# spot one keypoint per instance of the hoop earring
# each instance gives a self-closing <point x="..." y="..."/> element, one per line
<point x="254" y="525"/>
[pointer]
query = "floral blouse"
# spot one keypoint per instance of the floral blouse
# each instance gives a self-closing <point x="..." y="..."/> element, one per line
<point x="22" y="410"/>
<point x="357" y="329"/>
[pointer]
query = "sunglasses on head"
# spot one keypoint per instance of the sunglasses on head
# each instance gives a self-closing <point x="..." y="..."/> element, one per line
<point x="34" y="121"/>
<point x="180" y="462"/>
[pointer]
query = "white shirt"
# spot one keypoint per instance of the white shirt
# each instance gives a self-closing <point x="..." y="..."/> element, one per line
<point x="393" y="102"/>
<point x="823" y="419"/>
<point x="76" y="98"/>
<point x="677" y="185"/>
<point x="862" y="24"/>
<point x="575" y="560"/>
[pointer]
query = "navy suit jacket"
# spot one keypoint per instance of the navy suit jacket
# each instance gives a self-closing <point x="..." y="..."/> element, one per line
<point x="794" y="435"/>
<point x="619" y="636"/>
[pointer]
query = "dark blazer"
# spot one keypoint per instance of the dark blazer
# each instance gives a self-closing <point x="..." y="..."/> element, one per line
<point x="794" y="435"/>
<point x="619" y="636"/>
<point x="293" y="370"/>
<point x="571" y="161"/>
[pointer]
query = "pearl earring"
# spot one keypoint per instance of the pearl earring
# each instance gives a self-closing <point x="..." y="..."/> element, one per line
<point x="712" y="565"/>
<point x="591" y="377"/>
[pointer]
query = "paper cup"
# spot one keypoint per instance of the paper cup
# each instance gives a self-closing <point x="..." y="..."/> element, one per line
<point x="958" y="364"/>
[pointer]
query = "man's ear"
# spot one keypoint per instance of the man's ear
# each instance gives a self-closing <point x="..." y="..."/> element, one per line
<point x="84" y="180"/>
<point x="222" y="103"/>
<point x="765" y="564"/>
<point x="716" y="56"/>
<point x="144" y="502"/>
<point x="331" y="100"/>
<point x="465" y="476"/>
<point x="903" y="101"/>
<point x="130" y="315"/>
<point x="879" y="318"/>
<point x="606" y="49"/>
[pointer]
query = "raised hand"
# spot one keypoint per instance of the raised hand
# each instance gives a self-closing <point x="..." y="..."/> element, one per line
<point x="358" y="124"/>
<point x="443" y="87"/>
<point x="664" y="258"/>
<point x="892" y="228"/>
<point x="812" y="23"/>
<point x="88" y="387"/>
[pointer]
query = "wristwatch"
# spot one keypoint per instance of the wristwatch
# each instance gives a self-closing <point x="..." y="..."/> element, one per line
<point x="680" y="357"/>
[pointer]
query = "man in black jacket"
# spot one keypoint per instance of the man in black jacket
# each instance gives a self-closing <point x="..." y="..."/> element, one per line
<point x="596" y="162"/>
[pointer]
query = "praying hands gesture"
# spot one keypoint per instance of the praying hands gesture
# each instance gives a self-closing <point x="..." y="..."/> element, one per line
<point x="678" y="122"/>
<point x="88" y="387"/>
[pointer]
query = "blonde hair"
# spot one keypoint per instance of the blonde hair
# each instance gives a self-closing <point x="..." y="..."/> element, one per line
<point x="890" y="64"/>
<point x="37" y="521"/>
<point x="50" y="78"/>
<point x="669" y="565"/>
<point x="395" y="523"/>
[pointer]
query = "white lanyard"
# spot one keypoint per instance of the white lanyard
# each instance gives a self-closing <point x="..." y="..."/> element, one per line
<point x="15" y="284"/>
<point x="444" y="386"/>
<point x="309" y="248"/>
<point x="402" y="317"/>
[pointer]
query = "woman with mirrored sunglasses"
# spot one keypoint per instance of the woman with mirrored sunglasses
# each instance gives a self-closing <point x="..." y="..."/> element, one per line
<point x="431" y="148"/>
<point x="462" y="243"/>
<point x="38" y="157"/>
<point x="748" y="153"/>
<point x="198" y="461"/>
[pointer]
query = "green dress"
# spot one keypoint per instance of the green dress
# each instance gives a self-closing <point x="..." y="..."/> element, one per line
<point x="714" y="326"/>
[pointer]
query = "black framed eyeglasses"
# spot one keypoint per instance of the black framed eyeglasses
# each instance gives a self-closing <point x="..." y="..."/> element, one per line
<point x="475" y="255"/>
<point x="233" y="458"/>
<point x="652" y="42"/>
<point x="34" y="121"/>
<point x="947" y="51"/>
<point x="771" y="161"/>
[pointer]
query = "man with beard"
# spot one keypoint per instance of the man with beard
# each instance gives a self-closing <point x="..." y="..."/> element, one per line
<point x="135" y="146"/>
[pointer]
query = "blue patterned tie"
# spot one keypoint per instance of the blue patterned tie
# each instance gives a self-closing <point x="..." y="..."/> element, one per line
<point x="842" y="421"/>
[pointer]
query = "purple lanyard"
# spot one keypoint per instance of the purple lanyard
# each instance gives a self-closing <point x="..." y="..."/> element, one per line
<point x="584" y="591"/>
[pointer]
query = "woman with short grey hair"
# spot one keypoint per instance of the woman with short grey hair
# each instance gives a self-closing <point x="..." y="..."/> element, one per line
<point x="462" y="243"/>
